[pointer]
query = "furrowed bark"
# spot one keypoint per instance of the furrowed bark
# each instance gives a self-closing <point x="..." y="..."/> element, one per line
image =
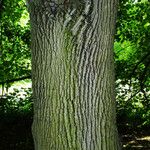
<point x="73" y="74"/>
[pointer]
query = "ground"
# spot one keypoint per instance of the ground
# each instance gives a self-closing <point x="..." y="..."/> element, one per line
<point x="136" y="139"/>
<point x="15" y="134"/>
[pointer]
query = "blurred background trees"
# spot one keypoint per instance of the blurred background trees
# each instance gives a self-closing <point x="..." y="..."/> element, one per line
<point x="15" y="42"/>
<point x="132" y="58"/>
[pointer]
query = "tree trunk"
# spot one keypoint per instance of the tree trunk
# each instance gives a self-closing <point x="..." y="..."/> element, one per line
<point x="73" y="74"/>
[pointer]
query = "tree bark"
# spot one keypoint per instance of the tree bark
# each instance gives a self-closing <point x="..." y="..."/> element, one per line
<point x="73" y="74"/>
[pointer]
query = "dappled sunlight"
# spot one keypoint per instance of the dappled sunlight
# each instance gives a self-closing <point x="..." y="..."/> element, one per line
<point x="138" y="143"/>
<point x="17" y="86"/>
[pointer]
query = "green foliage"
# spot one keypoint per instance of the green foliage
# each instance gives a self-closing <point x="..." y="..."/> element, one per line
<point x="133" y="30"/>
<point x="15" y="37"/>
<point x="132" y="107"/>
<point x="132" y="59"/>
<point x="16" y="111"/>
<point x="16" y="103"/>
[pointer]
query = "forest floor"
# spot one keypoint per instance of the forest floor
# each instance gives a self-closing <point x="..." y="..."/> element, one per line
<point x="15" y="134"/>
<point x="136" y="139"/>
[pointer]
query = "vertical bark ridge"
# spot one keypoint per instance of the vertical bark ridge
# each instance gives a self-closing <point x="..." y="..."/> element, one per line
<point x="73" y="75"/>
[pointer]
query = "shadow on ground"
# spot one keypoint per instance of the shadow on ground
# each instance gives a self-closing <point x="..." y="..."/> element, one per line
<point x="135" y="139"/>
<point x="15" y="134"/>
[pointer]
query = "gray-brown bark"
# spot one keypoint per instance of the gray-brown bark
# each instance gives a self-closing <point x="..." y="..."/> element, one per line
<point x="73" y="74"/>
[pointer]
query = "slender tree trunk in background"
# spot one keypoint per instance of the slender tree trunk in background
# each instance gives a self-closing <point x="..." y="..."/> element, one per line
<point x="73" y="74"/>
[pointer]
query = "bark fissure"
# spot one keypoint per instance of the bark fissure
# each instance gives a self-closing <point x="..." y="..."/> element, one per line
<point x="73" y="74"/>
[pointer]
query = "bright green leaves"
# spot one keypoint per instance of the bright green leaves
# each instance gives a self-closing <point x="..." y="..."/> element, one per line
<point x="132" y="53"/>
<point x="15" y="37"/>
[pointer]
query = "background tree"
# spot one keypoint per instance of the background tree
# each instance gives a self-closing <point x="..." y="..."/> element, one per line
<point x="132" y="58"/>
<point x="15" y="41"/>
<point x="73" y="74"/>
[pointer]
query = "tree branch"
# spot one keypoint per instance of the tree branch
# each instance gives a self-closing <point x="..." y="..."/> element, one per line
<point x="13" y="80"/>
